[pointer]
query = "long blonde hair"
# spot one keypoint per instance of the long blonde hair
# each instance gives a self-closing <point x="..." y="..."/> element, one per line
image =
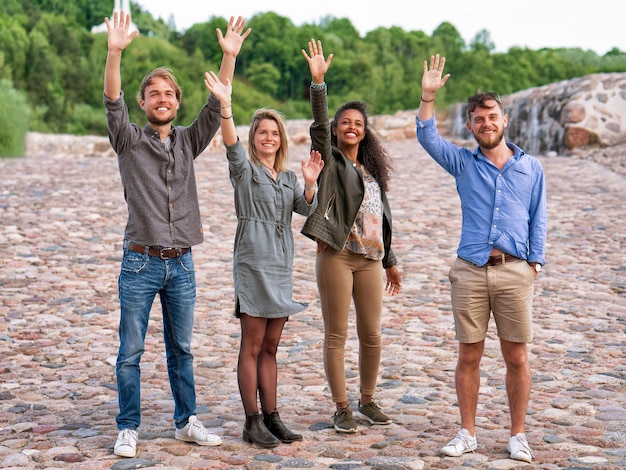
<point x="280" y="162"/>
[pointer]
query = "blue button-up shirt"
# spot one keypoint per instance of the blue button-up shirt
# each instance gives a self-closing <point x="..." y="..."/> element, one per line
<point x="504" y="209"/>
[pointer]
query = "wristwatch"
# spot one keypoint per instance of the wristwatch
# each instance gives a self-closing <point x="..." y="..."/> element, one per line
<point x="537" y="266"/>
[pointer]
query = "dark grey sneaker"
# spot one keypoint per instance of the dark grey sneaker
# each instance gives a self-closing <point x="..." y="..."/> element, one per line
<point x="371" y="412"/>
<point x="344" y="421"/>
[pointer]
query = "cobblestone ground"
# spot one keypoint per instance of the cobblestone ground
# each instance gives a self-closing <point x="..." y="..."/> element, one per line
<point x="62" y="223"/>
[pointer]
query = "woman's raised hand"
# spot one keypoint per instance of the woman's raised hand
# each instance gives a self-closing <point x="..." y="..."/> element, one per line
<point x="317" y="64"/>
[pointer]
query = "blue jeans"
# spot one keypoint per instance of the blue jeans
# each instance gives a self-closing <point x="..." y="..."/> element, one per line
<point x="141" y="278"/>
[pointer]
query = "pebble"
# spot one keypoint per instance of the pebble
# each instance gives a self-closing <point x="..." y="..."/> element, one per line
<point x="63" y="217"/>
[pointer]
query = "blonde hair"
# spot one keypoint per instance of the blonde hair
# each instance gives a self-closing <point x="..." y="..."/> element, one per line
<point x="164" y="73"/>
<point x="280" y="163"/>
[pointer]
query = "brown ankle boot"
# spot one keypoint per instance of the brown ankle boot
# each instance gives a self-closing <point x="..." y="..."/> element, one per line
<point x="255" y="431"/>
<point x="278" y="428"/>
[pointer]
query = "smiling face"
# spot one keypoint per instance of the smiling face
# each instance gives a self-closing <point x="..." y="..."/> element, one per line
<point x="349" y="128"/>
<point x="487" y="124"/>
<point x="159" y="102"/>
<point x="267" y="139"/>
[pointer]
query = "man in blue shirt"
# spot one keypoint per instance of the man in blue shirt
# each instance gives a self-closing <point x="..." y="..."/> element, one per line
<point x="501" y="251"/>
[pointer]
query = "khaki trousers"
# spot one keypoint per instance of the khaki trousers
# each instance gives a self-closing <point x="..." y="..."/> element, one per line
<point x="342" y="277"/>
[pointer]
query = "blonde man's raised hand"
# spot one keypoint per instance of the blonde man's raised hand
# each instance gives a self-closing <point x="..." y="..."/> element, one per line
<point x="119" y="34"/>
<point x="119" y="37"/>
<point x="235" y="35"/>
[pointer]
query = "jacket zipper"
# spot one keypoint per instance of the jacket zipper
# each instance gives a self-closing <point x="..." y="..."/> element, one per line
<point x="328" y="206"/>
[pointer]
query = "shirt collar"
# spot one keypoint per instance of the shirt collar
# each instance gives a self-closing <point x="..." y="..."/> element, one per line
<point x="152" y="132"/>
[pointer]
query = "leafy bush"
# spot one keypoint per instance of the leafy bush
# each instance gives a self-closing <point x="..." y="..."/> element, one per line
<point x="14" y="115"/>
<point x="86" y="120"/>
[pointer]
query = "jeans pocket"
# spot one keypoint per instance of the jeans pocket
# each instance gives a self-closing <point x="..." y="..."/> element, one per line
<point x="186" y="262"/>
<point x="134" y="262"/>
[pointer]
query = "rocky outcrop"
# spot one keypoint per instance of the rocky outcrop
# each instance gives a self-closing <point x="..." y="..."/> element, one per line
<point x="582" y="112"/>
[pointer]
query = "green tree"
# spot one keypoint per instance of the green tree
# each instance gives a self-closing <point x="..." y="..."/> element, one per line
<point x="91" y="13"/>
<point x="13" y="120"/>
<point x="148" y="26"/>
<point x="482" y="42"/>
<point x="447" y="41"/>
<point x="265" y="45"/>
<point x="388" y="83"/>
<point x="265" y="77"/>
<point x="47" y="50"/>
<point x="14" y="44"/>
<point x="43" y="67"/>
<point x="11" y="8"/>
<point x="202" y="38"/>
<point x="341" y="28"/>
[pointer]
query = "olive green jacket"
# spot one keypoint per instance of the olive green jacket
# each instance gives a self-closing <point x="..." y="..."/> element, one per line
<point x="341" y="188"/>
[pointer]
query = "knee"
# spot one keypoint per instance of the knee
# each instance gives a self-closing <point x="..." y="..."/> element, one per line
<point x="515" y="355"/>
<point x="371" y="339"/>
<point x="516" y="361"/>
<point x="468" y="362"/>
<point x="250" y="349"/>
<point x="269" y="349"/>
<point x="335" y="340"/>
<point x="469" y="359"/>
<point x="129" y="358"/>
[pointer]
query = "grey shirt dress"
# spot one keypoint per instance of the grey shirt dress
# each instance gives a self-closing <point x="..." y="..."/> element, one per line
<point x="264" y="249"/>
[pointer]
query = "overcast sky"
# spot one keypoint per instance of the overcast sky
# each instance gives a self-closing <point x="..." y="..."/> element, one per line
<point x="597" y="25"/>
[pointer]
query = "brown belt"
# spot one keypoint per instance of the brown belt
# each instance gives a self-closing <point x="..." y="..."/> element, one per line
<point x="163" y="253"/>
<point x="500" y="259"/>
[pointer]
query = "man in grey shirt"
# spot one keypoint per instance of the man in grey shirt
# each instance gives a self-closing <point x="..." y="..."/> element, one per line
<point x="157" y="170"/>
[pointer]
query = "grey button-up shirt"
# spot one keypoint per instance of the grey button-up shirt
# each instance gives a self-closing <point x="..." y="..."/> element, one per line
<point x="158" y="177"/>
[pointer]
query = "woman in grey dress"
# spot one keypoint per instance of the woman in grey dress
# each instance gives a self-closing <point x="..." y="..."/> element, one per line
<point x="266" y="195"/>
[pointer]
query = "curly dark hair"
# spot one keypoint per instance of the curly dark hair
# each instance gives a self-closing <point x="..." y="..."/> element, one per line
<point x="372" y="155"/>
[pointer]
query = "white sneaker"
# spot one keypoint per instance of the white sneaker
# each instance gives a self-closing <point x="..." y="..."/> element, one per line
<point x="126" y="444"/>
<point x="462" y="443"/>
<point x="194" y="431"/>
<point x="519" y="448"/>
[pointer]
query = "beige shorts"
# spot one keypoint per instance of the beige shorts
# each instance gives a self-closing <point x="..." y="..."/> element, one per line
<point x="505" y="289"/>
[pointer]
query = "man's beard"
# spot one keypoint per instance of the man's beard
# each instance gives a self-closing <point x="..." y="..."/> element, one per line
<point x="152" y="119"/>
<point x="490" y="143"/>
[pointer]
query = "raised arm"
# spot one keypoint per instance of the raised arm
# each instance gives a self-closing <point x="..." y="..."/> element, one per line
<point x="317" y="64"/>
<point x="432" y="80"/>
<point x="118" y="39"/>
<point x="223" y="92"/>
<point x="231" y="45"/>
<point x="320" y="129"/>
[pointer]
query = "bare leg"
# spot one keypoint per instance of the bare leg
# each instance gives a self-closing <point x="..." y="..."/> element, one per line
<point x="518" y="382"/>
<point x="467" y="378"/>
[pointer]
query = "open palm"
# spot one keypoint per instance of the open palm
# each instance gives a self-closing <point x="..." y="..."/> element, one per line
<point x="119" y="36"/>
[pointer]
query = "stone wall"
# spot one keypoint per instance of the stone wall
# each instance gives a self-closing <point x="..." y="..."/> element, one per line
<point x="582" y="112"/>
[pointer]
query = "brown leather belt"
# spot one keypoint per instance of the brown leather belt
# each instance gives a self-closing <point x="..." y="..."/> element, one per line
<point x="500" y="259"/>
<point x="163" y="253"/>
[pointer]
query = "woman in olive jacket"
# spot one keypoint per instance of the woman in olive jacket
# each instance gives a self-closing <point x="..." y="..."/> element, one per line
<point x="352" y="228"/>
